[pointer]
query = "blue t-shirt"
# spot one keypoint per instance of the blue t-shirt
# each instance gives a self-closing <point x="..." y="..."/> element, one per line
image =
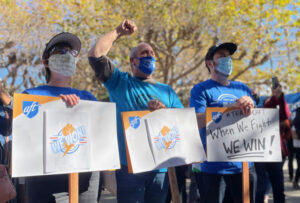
<point x="132" y="94"/>
<point x="53" y="91"/>
<point x="213" y="94"/>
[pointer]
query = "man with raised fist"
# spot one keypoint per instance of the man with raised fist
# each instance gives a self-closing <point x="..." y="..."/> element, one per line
<point x="135" y="92"/>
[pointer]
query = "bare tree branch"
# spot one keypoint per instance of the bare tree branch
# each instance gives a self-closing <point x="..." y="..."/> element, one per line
<point x="188" y="71"/>
<point x="252" y="64"/>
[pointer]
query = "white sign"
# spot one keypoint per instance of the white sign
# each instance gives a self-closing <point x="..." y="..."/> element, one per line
<point x="66" y="141"/>
<point x="50" y="138"/>
<point x="230" y="136"/>
<point x="161" y="139"/>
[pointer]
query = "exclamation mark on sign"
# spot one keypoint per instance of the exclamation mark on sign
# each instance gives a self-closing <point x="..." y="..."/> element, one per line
<point x="272" y="139"/>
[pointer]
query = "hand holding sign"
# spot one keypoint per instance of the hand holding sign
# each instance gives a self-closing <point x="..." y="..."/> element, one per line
<point x="245" y="103"/>
<point x="70" y="99"/>
<point x="155" y="105"/>
<point x="162" y="138"/>
<point x="52" y="139"/>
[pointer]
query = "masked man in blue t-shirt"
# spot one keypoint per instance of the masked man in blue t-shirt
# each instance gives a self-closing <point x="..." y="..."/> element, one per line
<point x="133" y="93"/>
<point x="218" y="91"/>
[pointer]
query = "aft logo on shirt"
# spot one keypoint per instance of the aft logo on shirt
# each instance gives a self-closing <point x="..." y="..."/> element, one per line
<point x="30" y="108"/>
<point x="225" y="100"/>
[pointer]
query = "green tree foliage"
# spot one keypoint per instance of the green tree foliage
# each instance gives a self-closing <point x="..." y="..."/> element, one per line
<point x="180" y="32"/>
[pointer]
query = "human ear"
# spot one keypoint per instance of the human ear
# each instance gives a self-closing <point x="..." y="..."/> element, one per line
<point x="210" y="64"/>
<point x="45" y="62"/>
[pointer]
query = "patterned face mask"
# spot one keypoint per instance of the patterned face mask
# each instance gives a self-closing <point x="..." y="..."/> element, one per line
<point x="64" y="64"/>
<point x="147" y="64"/>
<point x="225" y="65"/>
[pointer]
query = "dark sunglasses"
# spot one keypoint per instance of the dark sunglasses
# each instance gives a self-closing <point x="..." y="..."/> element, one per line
<point x="63" y="50"/>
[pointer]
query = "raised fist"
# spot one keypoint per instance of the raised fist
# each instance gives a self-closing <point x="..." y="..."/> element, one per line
<point x="127" y="27"/>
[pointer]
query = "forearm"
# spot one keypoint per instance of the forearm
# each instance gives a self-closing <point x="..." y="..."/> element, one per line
<point x="4" y="98"/>
<point x="104" y="44"/>
<point x="201" y="120"/>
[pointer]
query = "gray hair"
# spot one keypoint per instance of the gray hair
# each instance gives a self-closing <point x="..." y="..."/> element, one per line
<point x="133" y="52"/>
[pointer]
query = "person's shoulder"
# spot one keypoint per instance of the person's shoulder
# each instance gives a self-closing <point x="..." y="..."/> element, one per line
<point x="84" y="94"/>
<point x="103" y="61"/>
<point x="34" y="89"/>
<point x="120" y="75"/>
<point x="98" y="59"/>
<point x="89" y="94"/>
<point x="238" y="83"/>
<point x="203" y="84"/>
<point x="234" y="82"/>
<point x="163" y="86"/>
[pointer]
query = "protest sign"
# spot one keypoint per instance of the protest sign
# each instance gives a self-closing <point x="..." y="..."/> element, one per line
<point x="160" y="139"/>
<point x="234" y="137"/>
<point x="61" y="151"/>
<point x="51" y="138"/>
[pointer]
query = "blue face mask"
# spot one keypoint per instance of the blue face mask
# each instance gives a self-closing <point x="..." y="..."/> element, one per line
<point x="147" y="64"/>
<point x="225" y="65"/>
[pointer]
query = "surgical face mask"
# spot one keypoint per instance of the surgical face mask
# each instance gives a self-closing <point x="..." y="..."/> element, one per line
<point x="147" y="64"/>
<point x="225" y="65"/>
<point x="64" y="64"/>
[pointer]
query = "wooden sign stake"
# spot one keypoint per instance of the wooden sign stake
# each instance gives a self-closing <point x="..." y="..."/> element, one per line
<point x="73" y="188"/>
<point x="246" y="188"/>
<point x="173" y="185"/>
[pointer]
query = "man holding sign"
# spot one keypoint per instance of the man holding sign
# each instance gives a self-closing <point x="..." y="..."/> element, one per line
<point x="220" y="92"/>
<point x="59" y="61"/>
<point x="133" y="93"/>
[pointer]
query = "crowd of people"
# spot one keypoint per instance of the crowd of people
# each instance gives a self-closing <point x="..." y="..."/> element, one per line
<point x="217" y="181"/>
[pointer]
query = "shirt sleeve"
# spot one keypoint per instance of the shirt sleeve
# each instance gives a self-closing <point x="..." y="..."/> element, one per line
<point x="271" y="103"/>
<point x="118" y="81"/>
<point x="284" y="112"/>
<point x="198" y="100"/>
<point x="90" y="96"/>
<point x="103" y="67"/>
<point x="175" y="102"/>
<point x="25" y="92"/>
<point x="107" y="73"/>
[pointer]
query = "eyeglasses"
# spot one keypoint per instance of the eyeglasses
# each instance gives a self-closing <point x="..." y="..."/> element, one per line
<point x="63" y="50"/>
